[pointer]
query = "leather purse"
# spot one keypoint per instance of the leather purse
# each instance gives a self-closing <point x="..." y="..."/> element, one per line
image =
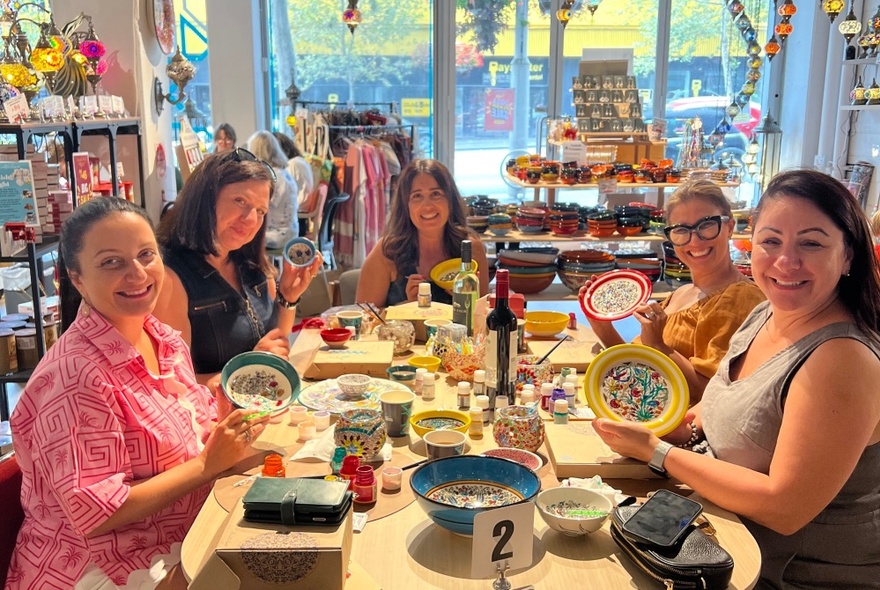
<point x="696" y="561"/>
<point x="294" y="501"/>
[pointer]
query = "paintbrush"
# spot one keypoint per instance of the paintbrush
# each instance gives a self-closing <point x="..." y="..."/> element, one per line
<point x="549" y="352"/>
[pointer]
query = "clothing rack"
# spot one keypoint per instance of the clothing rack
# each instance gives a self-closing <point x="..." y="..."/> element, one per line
<point x="372" y="128"/>
<point x="392" y="107"/>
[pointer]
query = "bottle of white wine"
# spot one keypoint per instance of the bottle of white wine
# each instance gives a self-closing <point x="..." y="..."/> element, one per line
<point x="501" y="344"/>
<point x="465" y="290"/>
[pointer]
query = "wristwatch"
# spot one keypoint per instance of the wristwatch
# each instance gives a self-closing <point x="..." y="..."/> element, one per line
<point x="656" y="462"/>
<point x="279" y="298"/>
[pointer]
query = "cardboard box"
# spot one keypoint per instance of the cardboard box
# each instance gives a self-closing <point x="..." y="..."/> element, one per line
<point x="367" y="357"/>
<point x="417" y="315"/>
<point x="575" y="450"/>
<point x="256" y="556"/>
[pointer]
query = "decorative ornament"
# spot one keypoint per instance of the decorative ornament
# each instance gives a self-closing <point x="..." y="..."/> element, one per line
<point x="772" y="48"/>
<point x="753" y="49"/>
<point x="753" y="75"/>
<point x="850" y="26"/>
<point x="873" y="94"/>
<point x="351" y="16"/>
<point x="783" y="29"/>
<point x="733" y="110"/>
<point x="875" y="20"/>
<point x="857" y="94"/>
<point x="865" y="42"/>
<point x="787" y="9"/>
<point x="832" y="8"/>
<point x="592" y="5"/>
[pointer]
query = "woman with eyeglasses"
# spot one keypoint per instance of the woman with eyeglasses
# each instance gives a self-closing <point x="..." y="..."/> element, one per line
<point x="790" y="424"/>
<point x="221" y="290"/>
<point x="282" y="224"/>
<point x="224" y="138"/>
<point x="694" y="325"/>
<point x="426" y="226"/>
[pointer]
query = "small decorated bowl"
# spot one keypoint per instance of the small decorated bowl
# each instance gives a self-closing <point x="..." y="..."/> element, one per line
<point x="453" y="490"/>
<point x="300" y="252"/>
<point x="335" y="337"/>
<point x="425" y="422"/>
<point x="403" y="374"/>
<point x="573" y="511"/>
<point x="353" y="384"/>
<point x="260" y="381"/>
<point x="521" y="456"/>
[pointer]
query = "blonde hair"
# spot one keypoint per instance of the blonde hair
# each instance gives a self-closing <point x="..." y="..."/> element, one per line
<point x="875" y="224"/>
<point x="699" y="190"/>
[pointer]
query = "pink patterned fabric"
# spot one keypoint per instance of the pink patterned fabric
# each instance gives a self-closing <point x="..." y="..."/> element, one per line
<point x="91" y="422"/>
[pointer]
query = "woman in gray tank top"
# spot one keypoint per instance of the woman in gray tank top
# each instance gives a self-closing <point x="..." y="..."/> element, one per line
<point x="790" y="423"/>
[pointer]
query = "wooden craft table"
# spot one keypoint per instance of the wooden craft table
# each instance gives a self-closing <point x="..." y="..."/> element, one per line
<point x="405" y="550"/>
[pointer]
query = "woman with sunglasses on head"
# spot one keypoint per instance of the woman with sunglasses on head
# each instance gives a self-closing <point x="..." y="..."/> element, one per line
<point x="117" y="442"/>
<point x="426" y="226"/>
<point x="790" y="424"/>
<point x="221" y="290"/>
<point x="224" y="138"/>
<point x="282" y="224"/>
<point x="694" y="325"/>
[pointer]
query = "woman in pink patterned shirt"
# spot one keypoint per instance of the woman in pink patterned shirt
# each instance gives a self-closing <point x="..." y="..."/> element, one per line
<point x="115" y="438"/>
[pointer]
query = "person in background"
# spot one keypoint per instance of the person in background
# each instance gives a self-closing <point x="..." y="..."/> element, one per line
<point x="299" y="169"/>
<point x="875" y="231"/>
<point x="117" y="442"/>
<point x="282" y="224"/>
<point x="426" y="226"/>
<point x="224" y="138"/>
<point x="791" y="421"/>
<point x="694" y="325"/>
<point x="220" y="291"/>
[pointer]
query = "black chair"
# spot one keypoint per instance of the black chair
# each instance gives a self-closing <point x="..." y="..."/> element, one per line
<point x="325" y="236"/>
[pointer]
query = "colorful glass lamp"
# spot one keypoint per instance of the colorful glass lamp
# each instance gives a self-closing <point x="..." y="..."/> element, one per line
<point x="351" y="16"/>
<point x="850" y="26"/>
<point x="832" y="8"/>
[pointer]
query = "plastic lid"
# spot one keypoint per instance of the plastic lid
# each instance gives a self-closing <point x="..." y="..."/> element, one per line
<point x="421" y="371"/>
<point x="424" y="288"/>
<point x="568" y="387"/>
<point x="501" y="402"/>
<point x="464" y="387"/>
<point x="530" y="387"/>
<point x="476" y="413"/>
<point x="482" y="401"/>
<point x="479" y="376"/>
<point x="527" y="396"/>
<point x="429" y="378"/>
<point x="572" y="378"/>
<point x="546" y="389"/>
<point x="560" y="406"/>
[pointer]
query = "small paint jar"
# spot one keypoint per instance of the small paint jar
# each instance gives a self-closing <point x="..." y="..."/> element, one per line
<point x="273" y="466"/>
<point x="364" y="485"/>
<point x="297" y="414"/>
<point x="501" y="402"/>
<point x="570" y="393"/>
<point x="475" y="430"/>
<point x="419" y="383"/>
<point x="307" y="430"/>
<point x="546" y="393"/>
<point x="424" y="296"/>
<point x="464" y="395"/>
<point x="336" y="460"/>
<point x="428" y="386"/>
<point x="349" y="467"/>
<point x="322" y="419"/>
<point x="482" y="402"/>
<point x="392" y="478"/>
<point x="560" y="412"/>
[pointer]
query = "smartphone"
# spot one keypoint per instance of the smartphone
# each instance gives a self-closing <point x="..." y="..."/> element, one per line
<point x="662" y="519"/>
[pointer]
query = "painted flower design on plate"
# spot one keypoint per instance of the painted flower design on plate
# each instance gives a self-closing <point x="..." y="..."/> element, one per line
<point x="440" y="423"/>
<point x="615" y="296"/>
<point x="473" y="494"/>
<point x="635" y="391"/>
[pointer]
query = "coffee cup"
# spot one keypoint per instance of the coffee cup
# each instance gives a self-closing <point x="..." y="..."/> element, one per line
<point x="444" y="443"/>
<point x="397" y="408"/>
<point x="431" y="326"/>
<point x="352" y="319"/>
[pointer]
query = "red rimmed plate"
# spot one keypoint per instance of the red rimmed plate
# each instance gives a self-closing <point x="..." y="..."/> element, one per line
<point x="615" y="295"/>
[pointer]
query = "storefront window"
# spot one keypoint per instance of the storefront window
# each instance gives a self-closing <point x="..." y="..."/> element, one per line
<point x="386" y="61"/>
<point x="192" y="35"/>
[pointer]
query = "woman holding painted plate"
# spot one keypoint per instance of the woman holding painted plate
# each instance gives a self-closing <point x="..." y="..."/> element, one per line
<point x="694" y="325"/>
<point x="790" y="424"/>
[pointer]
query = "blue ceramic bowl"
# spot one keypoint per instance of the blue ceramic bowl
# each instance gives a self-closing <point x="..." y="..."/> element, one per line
<point x="300" y="252"/>
<point x="452" y="491"/>
<point x="260" y="381"/>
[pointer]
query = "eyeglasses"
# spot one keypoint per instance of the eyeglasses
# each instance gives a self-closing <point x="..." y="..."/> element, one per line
<point x="243" y="155"/>
<point x="707" y="228"/>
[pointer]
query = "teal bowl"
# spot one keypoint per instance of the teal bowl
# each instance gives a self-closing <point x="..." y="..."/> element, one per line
<point x="403" y="374"/>
<point x="260" y="381"/>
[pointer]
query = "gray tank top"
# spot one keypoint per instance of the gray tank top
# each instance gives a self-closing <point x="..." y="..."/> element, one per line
<point x="840" y="548"/>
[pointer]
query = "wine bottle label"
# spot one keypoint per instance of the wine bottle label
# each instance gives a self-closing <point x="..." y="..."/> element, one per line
<point x="463" y="310"/>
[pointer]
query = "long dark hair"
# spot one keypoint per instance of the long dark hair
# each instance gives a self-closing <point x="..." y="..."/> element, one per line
<point x="400" y="242"/>
<point x="227" y="130"/>
<point x="191" y="224"/>
<point x="73" y="234"/>
<point x="287" y="145"/>
<point x="859" y="290"/>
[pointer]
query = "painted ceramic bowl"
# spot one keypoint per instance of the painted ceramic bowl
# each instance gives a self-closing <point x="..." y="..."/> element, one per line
<point x="521" y="456"/>
<point x="353" y="384"/>
<point x="453" y="490"/>
<point x="424" y="422"/>
<point x="335" y="337"/>
<point x="360" y="432"/>
<point x="545" y="324"/>
<point x="443" y="274"/>
<point x="300" y="252"/>
<point x="519" y="427"/>
<point x="432" y="363"/>
<point x="573" y="511"/>
<point x="260" y="381"/>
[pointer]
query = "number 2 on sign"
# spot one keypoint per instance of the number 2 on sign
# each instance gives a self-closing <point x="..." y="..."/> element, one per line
<point x="502" y="535"/>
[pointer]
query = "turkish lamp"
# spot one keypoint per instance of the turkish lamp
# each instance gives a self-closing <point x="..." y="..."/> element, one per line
<point x="832" y="8"/>
<point x="592" y="5"/>
<point x="351" y="16"/>
<point x="92" y="47"/>
<point x="754" y="147"/>
<point x="733" y="110"/>
<point x="7" y="19"/>
<point x="47" y="60"/>
<point x="787" y="9"/>
<point x="772" y="48"/>
<point x="850" y="26"/>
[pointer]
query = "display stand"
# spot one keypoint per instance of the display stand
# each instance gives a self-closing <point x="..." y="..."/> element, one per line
<point x="111" y="129"/>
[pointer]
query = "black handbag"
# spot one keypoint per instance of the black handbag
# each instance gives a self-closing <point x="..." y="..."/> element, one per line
<point x="294" y="501"/>
<point x="696" y="561"/>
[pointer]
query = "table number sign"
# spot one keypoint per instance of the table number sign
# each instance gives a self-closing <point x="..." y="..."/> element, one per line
<point x="502" y="537"/>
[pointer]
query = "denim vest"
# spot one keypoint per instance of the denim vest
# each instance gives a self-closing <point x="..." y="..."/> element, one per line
<point x="220" y="324"/>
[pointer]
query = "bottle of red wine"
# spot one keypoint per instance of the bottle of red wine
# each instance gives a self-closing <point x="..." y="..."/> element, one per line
<point x="501" y="344"/>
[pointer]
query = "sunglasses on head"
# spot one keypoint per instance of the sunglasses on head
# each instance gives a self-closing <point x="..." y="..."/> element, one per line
<point x="707" y="228"/>
<point x="243" y="155"/>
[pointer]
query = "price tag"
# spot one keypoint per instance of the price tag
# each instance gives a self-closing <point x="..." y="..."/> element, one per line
<point x="574" y="151"/>
<point x="105" y="104"/>
<point x="118" y="105"/>
<point x="71" y="107"/>
<point x="17" y="108"/>
<point x="502" y="535"/>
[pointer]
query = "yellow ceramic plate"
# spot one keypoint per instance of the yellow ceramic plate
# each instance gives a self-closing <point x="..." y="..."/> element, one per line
<point x="635" y="382"/>
<point x="444" y="273"/>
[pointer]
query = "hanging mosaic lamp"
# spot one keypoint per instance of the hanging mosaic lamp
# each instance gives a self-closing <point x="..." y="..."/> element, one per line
<point x="783" y="29"/>
<point x="772" y="48"/>
<point x="351" y="16"/>
<point x="753" y="75"/>
<point x="865" y="42"/>
<point x="832" y="8"/>
<point x="787" y="9"/>
<point x="735" y="7"/>
<point x="733" y="110"/>
<point x="875" y="20"/>
<point x="850" y="26"/>
<point x="592" y="5"/>
<point x="563" y="15"/>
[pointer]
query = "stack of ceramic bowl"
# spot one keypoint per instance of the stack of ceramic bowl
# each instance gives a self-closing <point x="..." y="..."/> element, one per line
<point x="530" y="220"/>
<point x="531" y="269"/>
<point x="744" y="265"/>
<point x="645" y="262"/>
<point x="575" y="267"/>
<point x="631" y="219"/>
<point x="483" y="205"/>
<point x="601" y="224"/>
<point x="675" y="268"/>
<point x="657" y="221"/>
<point x="564" y="223"/>
<point x="478" y="223"/>
<point x="500" y="224"/>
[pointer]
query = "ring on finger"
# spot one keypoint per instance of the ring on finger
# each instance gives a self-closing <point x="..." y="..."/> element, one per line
<point x="247" y="435"/>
